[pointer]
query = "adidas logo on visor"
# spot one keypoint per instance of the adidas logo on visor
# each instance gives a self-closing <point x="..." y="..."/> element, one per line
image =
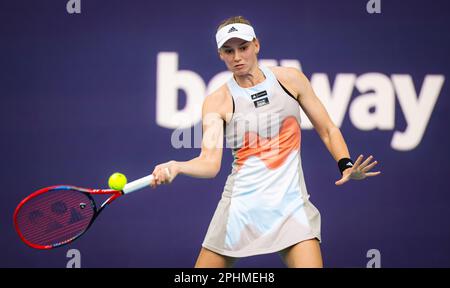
<point x="232" y="29"/>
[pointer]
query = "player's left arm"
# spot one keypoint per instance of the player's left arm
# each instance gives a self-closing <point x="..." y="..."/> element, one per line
<point x="327" y="130"/>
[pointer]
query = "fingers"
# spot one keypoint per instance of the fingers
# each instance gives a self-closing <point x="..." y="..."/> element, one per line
<point x="341" y="181"/>
<point x="153" y="182"/>
<point x="366" y="165"/>
<point x="167" y="171"/>
<point x="360" y="170"/>
<point x="358" y="161"/>
<point x="161" y="175"/>
<point x="367" y="161"/>
<point x="371" y="174"/>
<point x="370" y="166"/>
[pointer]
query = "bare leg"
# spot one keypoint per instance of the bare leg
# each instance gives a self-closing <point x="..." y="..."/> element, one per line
<point x="210" y="259"/>
<point x="305" y="254"/>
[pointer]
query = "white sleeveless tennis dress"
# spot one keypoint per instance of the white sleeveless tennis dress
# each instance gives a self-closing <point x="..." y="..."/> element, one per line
<point x="265" y="206"/>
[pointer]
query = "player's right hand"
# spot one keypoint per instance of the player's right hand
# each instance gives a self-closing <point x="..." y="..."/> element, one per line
<point x="164" y="173"/>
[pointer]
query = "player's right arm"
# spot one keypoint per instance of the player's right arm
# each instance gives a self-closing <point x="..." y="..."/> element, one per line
<point x="208" y="163"/>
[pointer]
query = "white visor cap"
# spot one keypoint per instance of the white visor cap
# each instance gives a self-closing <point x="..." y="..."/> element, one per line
<point x="236" y="30"/>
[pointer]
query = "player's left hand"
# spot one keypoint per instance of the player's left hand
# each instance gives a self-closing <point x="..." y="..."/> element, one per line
<point x="359" y="171"/>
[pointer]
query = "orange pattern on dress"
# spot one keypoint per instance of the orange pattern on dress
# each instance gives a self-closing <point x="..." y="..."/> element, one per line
<point x="272" y="151"/>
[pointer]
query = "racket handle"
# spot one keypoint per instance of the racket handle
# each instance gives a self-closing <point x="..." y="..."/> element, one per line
<point x="137" y="184"/>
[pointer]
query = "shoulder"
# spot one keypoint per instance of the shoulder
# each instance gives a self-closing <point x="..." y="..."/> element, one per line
<point x="217" y="98"/>
<point x="219" y="101"/>
<point x="288" y="74"/>
<point x="292" y="79"/>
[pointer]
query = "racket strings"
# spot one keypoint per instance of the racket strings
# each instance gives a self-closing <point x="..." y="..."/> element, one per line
<point x="55" y="217"/>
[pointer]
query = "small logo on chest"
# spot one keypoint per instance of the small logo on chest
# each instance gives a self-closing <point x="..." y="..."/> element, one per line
<point x="258" y="100"/>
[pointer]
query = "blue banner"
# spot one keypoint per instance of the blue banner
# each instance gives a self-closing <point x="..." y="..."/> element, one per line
<point x="89" y="88"/>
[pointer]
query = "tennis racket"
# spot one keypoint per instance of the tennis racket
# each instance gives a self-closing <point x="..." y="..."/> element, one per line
<point x="57" y="215"/>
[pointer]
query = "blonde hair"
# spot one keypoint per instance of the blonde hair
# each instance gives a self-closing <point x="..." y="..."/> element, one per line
<point x="233" y="20"/>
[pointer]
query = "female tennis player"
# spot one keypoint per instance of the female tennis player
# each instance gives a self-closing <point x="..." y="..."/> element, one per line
<point x="265" y="206"/>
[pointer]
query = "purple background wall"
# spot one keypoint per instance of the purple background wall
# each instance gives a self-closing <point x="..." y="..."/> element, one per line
<point x="78" y="97"/>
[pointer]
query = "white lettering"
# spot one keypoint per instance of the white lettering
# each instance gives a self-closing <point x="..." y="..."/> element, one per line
<point x="382" y="99"/>
<point x="169" y="81"/>
<point x="336" y="100"/>
<point x="375" y="261"/>
<point x="73" y="6"/>
<point x="417" y="110"/>
<point x="373" y="6"/>
<point x="373" y="109"/>
<point x="75" y="258"/>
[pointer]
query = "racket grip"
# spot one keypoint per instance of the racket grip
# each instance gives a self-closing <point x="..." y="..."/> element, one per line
<point x="137" y="184"/>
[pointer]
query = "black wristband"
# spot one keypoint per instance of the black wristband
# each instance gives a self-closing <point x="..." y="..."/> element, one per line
<point x="345" y="163"/>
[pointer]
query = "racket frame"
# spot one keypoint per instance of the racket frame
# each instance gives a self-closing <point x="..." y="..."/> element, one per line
<point x="88" y="192"/>
<point x="129" y="188"/>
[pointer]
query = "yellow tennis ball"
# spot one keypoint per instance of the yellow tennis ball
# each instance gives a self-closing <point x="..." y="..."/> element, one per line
<point x="117" y="181"/>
